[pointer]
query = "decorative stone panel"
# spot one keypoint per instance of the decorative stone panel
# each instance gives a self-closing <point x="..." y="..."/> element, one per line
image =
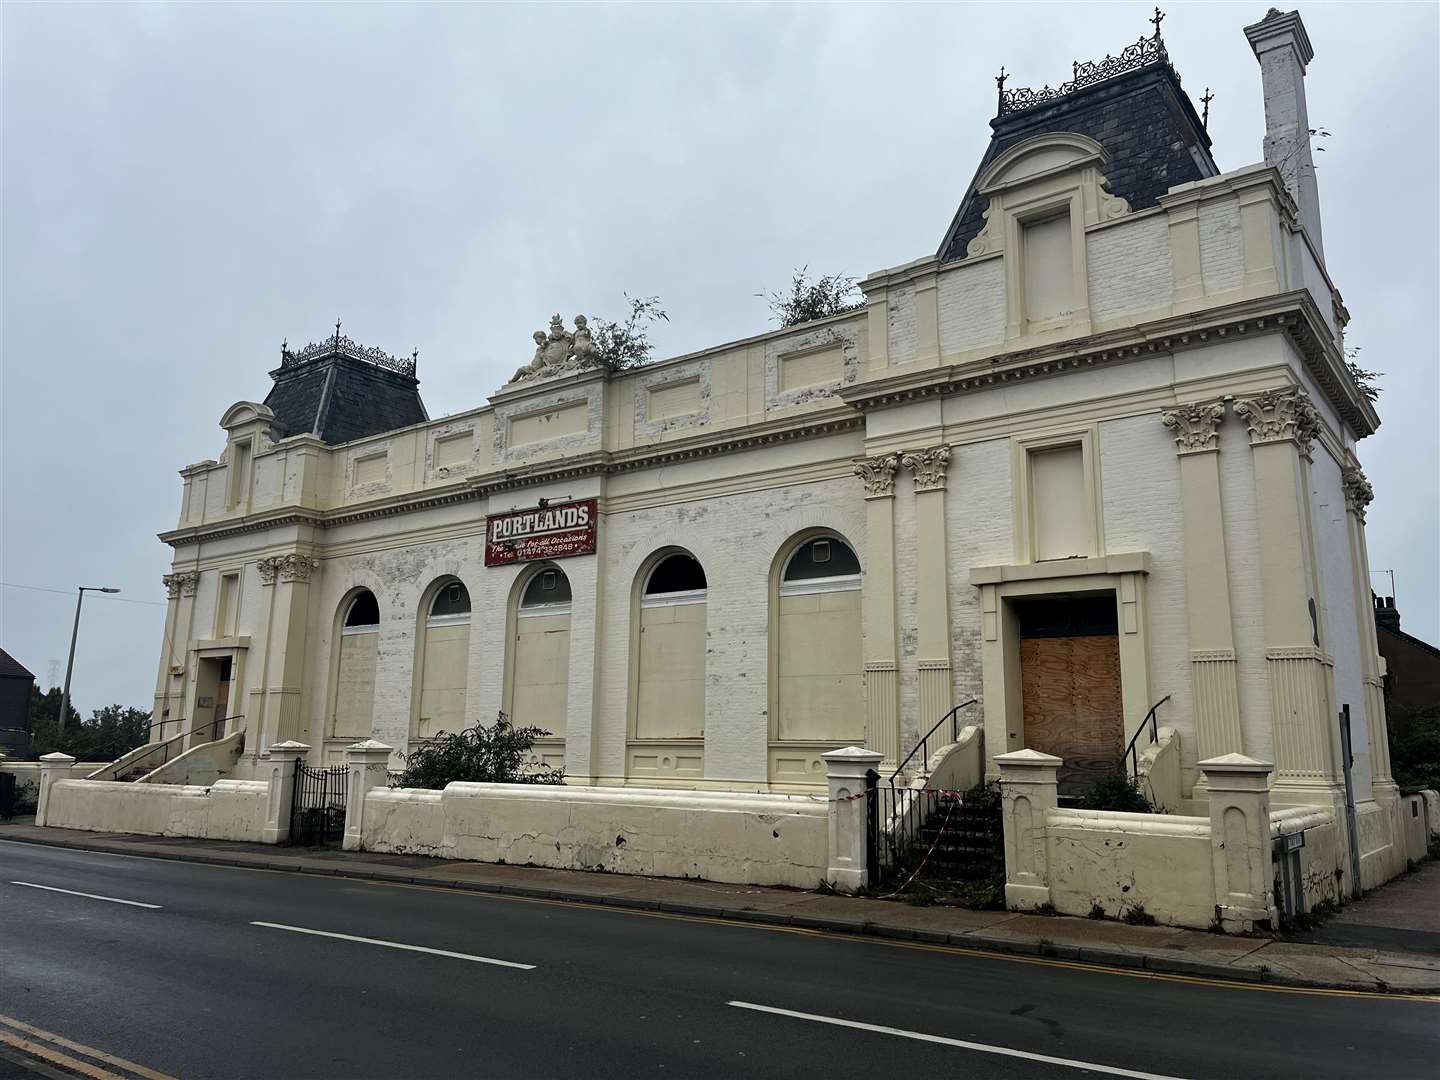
<point x="670" y="384"/>
<point x="843" y="337"/>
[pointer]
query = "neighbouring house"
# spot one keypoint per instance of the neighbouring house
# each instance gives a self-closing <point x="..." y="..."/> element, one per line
<point x="1093" y="462"/>
<point x="1412" y="667"/>
<point x="16" y="685"/>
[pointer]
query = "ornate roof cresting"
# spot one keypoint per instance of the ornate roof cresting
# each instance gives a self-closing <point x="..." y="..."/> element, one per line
<point x="1145" y="52"/>
<point x="560" y="351"/>
<point x="340" y="345"/>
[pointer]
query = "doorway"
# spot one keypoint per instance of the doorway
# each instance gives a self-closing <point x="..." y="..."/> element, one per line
<point x="212" y="699"/>
<point x="1070" y="684"/>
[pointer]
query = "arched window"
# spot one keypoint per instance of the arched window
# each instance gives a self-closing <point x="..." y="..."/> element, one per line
<point x="443" y="661"/>
<point x="540" y="660"/>
<point x="354" y="715"/>
<point x="670" y="682"/>
<point x="820" y="696"/>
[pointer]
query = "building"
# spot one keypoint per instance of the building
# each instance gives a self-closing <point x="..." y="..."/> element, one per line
<point x="1412" y="667"/>
<point x="16" y="685"/>
<point x="1095" y="456"/>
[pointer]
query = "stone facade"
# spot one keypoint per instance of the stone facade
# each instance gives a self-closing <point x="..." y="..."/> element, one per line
<point x="1192" y="377"/>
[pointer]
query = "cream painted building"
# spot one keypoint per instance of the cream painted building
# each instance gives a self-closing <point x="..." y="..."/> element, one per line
<point x="1096" y="452"/>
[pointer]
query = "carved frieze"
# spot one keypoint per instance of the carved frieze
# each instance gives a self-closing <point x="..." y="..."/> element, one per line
<point x="1196" y="426"/>
<point x="181" y="584"/>
<point x="288" y="568"/>
<point x="928" y="467"/>
<point x="1358" y="492"/>
<point x="878" y="475"/>
<point x="1281" y="415"/>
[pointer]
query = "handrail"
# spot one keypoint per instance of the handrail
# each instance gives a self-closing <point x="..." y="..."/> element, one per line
<point x="1130" y="751"/>
<point x="924" y="744"/>
<point x="167" y="744"/>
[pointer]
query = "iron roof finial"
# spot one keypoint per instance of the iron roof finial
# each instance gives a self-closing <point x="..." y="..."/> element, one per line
<point x="1205" y="116"/>
<point x="1000" y="79"/>
<point x="1157" y="20"/>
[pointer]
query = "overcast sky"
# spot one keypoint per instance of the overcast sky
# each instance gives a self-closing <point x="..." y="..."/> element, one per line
<point x="183" y="186"/>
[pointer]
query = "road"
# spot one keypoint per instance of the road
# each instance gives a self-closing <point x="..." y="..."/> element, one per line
<point x="241" y="973"/>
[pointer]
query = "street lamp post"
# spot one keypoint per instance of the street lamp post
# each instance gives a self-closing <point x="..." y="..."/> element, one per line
<point x="70" y="664"/>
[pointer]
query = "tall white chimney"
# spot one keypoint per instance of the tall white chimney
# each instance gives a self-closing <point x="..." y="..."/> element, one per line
<point x="1283" y="49"/>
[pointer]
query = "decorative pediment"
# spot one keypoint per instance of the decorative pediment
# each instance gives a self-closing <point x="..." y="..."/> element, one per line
<point x="1043" y="155"/>
<point x="245" y="412"/>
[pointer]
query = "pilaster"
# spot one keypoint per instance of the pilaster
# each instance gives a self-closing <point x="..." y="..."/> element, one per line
<point x="1282" y="425"/>
<point x="1207" y="578"/>
<point x="1358" y="495"/>
<point x="928" y="467"/>
<point x="279" y="691"/>
<point x="927" y="320"/>
<point x="877" y="600"/>
<point x="1188" y="280"/>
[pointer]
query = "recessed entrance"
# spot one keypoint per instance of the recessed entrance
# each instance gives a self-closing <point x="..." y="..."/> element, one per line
<point x="1070" y="684"/>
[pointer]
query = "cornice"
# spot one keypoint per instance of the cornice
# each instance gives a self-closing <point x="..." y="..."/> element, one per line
<point x="831" y="421"/>
<point x="1293" y="314"/>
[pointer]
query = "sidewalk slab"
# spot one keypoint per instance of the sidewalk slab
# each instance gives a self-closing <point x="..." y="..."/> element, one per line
<point x="1169" y="949"/>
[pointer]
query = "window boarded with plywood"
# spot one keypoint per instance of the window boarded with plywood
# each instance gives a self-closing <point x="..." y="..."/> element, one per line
<point x="821" y="694"/>
<point x="540" y="691"/>
<point x="671" y="700"/>
<point x="1070" y="685"/>
<point x="1058" y="503"/>
<point x="355" y="689"/>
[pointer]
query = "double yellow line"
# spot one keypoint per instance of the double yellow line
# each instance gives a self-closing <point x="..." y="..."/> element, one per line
<point x="65" y="1053"/>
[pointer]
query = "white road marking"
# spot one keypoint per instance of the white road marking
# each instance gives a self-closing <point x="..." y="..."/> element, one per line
<point x="87" y="895"/>
<point x="1003" y="1051"/>
<point x="397" y="945"/>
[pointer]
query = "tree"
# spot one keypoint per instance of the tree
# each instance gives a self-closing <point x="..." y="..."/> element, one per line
<point x="626" y="345"/>
<point x="109" y="733"/>
<point x="499" y="754"/>
<point x="807" y="300"/>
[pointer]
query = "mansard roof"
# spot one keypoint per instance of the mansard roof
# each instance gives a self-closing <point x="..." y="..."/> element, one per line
<point x="338" y="390"/>
<point x="1131" y="104"/>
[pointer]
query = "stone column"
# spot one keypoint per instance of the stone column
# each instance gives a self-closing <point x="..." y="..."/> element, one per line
<point x="53" y="767"/>
<point x="1028" y="791"/>
<point x="366" y="766"/>
<point x="882" y="683"/>
<point x="1207" y="578"/>
<point x="932" y="584"/>
<point x="1282" y="425"/>
<point x="280" y="771"/>
<point x="845" y="771"/>
<point x="278" y="695"/>
<point x="1240" y="840"/>
<point x="1358" y="495"/>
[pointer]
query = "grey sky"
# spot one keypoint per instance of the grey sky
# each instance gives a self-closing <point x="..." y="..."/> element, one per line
<point x="186" y="185"/>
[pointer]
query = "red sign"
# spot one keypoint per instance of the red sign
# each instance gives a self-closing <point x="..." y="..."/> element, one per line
<point x="547" y="532"/>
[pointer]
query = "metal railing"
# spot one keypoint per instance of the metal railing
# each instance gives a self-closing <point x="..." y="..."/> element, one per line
<point x="1132" y="751"/>
<point x="167" y="750"/>
<point x="915" y="832"/>
<point x="923" y="746"/>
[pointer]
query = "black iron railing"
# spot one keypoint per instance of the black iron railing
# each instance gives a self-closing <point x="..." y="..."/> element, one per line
<point x="317" y="808"/>
<point x="1132" y="752"/>
<point x="931" y="834"/>
<point x="923" y="746"/>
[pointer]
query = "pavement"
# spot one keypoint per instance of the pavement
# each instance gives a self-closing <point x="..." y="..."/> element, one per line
<point x="1403" y="915"/>
<point x="159" y="968"/>
<point x="1395" y="961"/>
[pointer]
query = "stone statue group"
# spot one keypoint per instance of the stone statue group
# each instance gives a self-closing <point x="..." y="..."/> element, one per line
<point x="560" y="351"/>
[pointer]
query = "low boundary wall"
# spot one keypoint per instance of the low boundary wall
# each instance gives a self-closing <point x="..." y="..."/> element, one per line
<point x="226" y="810"/>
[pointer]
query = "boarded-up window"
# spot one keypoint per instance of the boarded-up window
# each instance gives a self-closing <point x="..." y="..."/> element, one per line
<point x="821" y="695"/>
<point x="1059" y="510"/>
<point x="240" y="457"/>
<point x="445" y="659"/>
<point x="540" y="682"/>
<point x="670" y="702"/>
<point x="1049" y="272"/>
<point x="355" y="675"/>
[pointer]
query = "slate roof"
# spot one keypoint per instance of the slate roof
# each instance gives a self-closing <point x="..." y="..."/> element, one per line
<point x="10" y="668"/>
<point x="1142" y="118"/>
<point x="338" y="397"/>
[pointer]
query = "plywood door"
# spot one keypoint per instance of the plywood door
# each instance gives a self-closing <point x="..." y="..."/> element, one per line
<point x="1071" y="693"/>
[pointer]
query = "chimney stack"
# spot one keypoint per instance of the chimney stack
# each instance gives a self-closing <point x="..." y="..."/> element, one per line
<point x="1283" y="49"/>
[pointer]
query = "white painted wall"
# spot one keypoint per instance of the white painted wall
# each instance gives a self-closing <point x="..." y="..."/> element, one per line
<point x="227" y="810"/>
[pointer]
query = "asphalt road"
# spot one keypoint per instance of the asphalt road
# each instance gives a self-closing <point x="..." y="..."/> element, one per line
<point x="242" y="973"/>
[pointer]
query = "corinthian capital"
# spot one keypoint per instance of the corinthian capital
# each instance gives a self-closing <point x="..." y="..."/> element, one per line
<point x="1196" y="426"/>
<point x="1281" y="415"/>
<point x="929" y="467"/>
<point x="878" y="475"/>
<point x="1358" y="492"/>
<point x="182" y="584"/>
<point x="289" y="568"/>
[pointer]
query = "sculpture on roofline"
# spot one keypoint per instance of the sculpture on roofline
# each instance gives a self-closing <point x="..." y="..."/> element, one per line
<point x="560" y="352"/>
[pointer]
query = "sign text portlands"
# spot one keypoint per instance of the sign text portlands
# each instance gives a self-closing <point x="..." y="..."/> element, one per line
<point x="547" y="532"/>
